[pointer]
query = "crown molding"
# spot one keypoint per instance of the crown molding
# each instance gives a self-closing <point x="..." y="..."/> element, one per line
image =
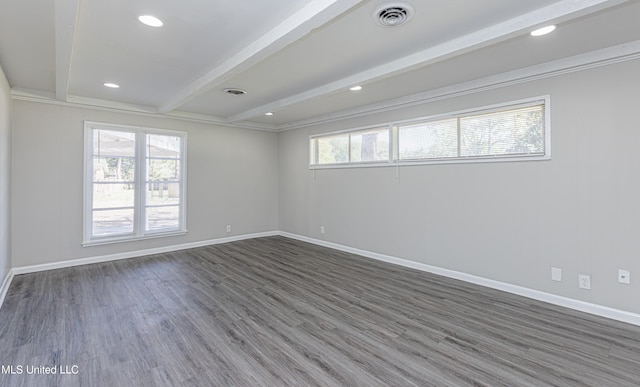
<point x="44" y="97"/>
<point x="599" y="58"/>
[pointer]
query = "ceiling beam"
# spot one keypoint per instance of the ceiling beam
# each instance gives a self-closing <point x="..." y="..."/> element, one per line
<point x="312" y="16"/>
<point x="556" y="13"/>
<point x="66" y="16"/>
<point x="603" y="57"/>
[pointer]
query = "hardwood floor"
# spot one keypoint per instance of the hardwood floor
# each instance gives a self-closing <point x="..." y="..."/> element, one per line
<point x="275" y="311"/>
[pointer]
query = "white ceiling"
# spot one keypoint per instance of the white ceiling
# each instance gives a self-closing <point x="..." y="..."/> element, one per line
<point x="296" y="58"/>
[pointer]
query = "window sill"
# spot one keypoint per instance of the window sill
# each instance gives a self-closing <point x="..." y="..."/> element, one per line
<point x="453" y="160"/>
<point x="108" y="241"/>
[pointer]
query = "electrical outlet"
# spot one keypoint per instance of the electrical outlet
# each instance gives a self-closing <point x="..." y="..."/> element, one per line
<point x="584" y="282"/>
<point x="624" y="276"/>
<point x="228" y="228"/>
<point x="556" y="274"/>
<point x="321" y="229"/>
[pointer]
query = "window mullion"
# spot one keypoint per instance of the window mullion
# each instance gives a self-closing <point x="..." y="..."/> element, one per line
<point x="314" y="152"/>
<point x="394" y="146"/>
<point x="458" y="135"/>
<point x="140" y="186"/>
<point x="183" y="186"/>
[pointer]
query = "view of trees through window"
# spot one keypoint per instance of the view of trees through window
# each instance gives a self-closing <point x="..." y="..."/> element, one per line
<point x="370" y="145"/>
<point x="509" y="132"/>
<point x="432" y="140"/>
<point x="518" y="131"/>
<point x="333" y="150"/>
<point x="356" y="147"/>
<point x="503" y="133"/>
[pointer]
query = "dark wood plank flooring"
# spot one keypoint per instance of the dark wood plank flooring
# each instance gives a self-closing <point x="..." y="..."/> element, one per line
<point x="275" y="311"/>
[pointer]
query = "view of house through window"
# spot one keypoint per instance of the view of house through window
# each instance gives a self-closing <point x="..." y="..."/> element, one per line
<point x="134" y="184"/>
<point x="114" y="182"/>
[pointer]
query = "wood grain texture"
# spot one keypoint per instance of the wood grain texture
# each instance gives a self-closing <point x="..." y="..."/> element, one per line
<point x="274" y="311"/>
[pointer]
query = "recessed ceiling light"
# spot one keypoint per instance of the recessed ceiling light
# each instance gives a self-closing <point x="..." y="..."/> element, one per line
<point x="543" y="30"/>
<point x="355" y="88"/>
<point x="111" y="85"/>
<point x="151" y="21"/>
<point x="268" y="113"/>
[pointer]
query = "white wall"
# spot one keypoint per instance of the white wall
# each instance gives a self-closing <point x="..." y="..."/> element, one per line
<point x="5" y="176"/>
<point x="510" y="221"/>
<point x="232" y="179"/>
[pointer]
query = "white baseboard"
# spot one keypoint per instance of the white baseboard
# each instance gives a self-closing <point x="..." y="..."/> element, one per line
<point x="5" y="286"/>
<point x="595" y="309"/>
<point x="598" y="310"/>
<point x="136" y="253"/>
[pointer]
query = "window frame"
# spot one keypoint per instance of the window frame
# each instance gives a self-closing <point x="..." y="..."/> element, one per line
<point x="394" y="158"/>
<point x="140" y="181"/>
<point x="315" y="152"/>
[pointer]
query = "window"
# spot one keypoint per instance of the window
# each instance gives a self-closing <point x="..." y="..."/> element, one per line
<point x="134" y="183"/>
<point x="363" y="146"/>
<point x="509" y="132"/>
<point x="513" y="131"/>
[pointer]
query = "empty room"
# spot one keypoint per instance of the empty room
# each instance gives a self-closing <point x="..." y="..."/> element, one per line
<point x="319" y="193"/>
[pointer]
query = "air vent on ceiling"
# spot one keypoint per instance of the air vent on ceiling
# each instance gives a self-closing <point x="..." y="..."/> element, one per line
<point x="235" y="91"/>
<point x="393" y="14"/>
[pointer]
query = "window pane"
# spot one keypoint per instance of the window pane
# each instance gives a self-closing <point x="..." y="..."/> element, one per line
<point x="113" y="195"/>
<point x="113" y="169"/>
<point x="113" y="143"/>
<point x="429" y="140"/>
<point x="518" y="131"/>
<point x="162" y="218"/>
<point x="112" y="222"/>
<point x="371" y="145"/>
<point x="333" y="150"/>
<point x="163" y="146"/>
<point x="163" y="169"/>
<point x="161" y="192"/>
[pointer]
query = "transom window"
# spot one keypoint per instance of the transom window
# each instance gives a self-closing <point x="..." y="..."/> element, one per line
<point x="371" y="145"/>
<point x="134" y="183"/>
<point x="514" y="131"/>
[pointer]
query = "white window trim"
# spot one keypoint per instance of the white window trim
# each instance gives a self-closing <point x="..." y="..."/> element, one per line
<point x="140" y="171"/>
<point x="393" y="154"/>
<point x="313" y="147"/>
